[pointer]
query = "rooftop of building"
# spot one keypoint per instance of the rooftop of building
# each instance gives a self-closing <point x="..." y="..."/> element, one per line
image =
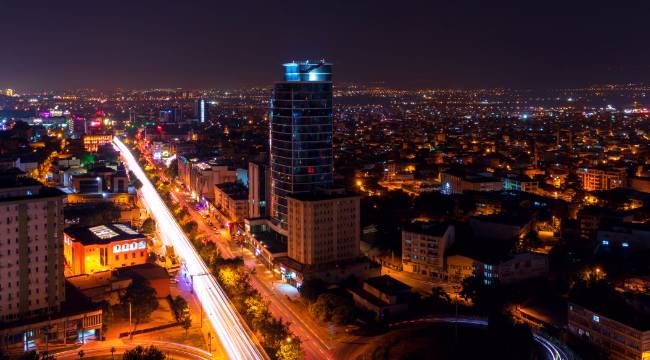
<point x="388" y="285"/>
<point x="428" y="228"/>
<point x="102" y="234"/>
<point x="235" y="190"/>
<point x="504" y="219"/>
<point x="271" y="242"/>
<point x="8" y="181"/>
<point x="487" y="251"/>
<point x="602" y="299"/>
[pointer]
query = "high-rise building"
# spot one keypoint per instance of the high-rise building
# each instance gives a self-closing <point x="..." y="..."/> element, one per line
<point x="31" y="275"/>
<point x="300" y="133"/>
<point x="324" y="227"/>
<point x="258" y="189"/>
<point x="202" y="110"/>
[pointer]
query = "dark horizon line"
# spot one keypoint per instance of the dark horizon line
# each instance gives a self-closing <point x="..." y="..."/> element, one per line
<point x="374" y="84"/>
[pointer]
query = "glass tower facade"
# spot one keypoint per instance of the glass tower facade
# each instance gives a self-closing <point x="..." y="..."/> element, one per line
<point x="300" y="133"/>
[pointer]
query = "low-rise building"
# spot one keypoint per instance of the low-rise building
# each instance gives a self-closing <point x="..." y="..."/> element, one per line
<point x="624" y="235"/>
<point x="92" y="142"/>
<point x="457" y="182"/>
<point x="520" y="183"/>
<point x="594" y="179"/>
<point x="501" y="227"/>
<point x="496" y="266"/>
<point x="384" y="296"/>
<point x="232" y="199"/>
<point x="424" y="246"/>
<point x="616" y="327"/>
<point x="104" y="247"/>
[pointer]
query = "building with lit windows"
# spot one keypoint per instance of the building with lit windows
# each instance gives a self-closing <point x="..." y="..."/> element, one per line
<point x="619" y="329"/>
<point x="323" y="228"/>
<point x="202" y="110"/>
<point x="454" y="181"/>
<point x="31" y="259"/>
<point x="300" y="133"/>
<point x="594" y="179"/>
<point x="424" y="246"/>
<point x="520" y="183"/>
<point x="496" y="266"/>
<point x="105" y="247"/>
<point x="232" y="199"/>
<point x="36" y="308"/>
<point x="92" y="142"/>
<point x="258" y="189"/>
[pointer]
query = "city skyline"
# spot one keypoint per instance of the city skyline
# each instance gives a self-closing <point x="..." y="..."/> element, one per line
<point x="437" y="44"/>
<point x="324" y="180"/>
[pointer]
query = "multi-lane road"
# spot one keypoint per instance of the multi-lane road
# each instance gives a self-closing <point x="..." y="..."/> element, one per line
<point x="236" y="339"/>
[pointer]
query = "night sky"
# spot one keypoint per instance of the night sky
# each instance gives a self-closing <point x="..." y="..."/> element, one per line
<point x="402" y="43"/>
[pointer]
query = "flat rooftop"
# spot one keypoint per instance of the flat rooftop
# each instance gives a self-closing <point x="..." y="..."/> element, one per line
<point x="388" y="285"/>
<point x="102" y="234"/>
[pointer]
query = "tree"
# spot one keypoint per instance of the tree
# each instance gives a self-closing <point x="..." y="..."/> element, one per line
<point x="186" y="321"/>
<point x="332" y="307"/>
<point x="290" y="350"/>
<point x="179" y="307"/>
<point x="487" y="298"/>
<point x="142" y="298"/>
<point x="191" y="227"/>
<point x="343" y="314"/>
<point x="439" y="300"/>
<point x="148" y="226"/>
<point x="275" y="331"/>
<point x="136" y="183"/>
<point x="312" y="288"/>
<point x="141" y="353"/>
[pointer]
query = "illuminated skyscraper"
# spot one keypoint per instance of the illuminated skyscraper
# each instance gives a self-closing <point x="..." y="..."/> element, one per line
<point x="201" y="110"/>
<point x="300" y="133"/>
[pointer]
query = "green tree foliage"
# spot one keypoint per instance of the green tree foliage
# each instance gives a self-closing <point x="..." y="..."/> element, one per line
<point x="142" y="353"/>
<point x="142" y="298"/>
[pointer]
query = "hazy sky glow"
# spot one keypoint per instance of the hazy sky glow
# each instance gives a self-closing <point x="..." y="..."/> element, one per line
<point x="196" y="43"/>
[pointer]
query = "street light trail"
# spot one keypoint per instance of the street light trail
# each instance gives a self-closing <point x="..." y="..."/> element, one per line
<point x="232" y="333"/>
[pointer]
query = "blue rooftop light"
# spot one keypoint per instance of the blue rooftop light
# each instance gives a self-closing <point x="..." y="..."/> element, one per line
<point x="308" y="71"/>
